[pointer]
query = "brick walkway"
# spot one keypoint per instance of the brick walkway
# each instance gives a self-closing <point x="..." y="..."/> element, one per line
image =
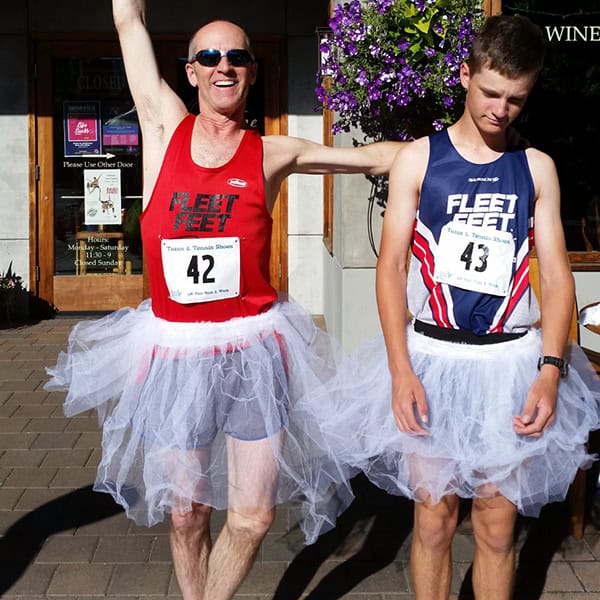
<point x="61" y="540"/>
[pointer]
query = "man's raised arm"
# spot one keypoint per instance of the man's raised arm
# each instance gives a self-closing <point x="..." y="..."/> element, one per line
<point x="157" y="105"/>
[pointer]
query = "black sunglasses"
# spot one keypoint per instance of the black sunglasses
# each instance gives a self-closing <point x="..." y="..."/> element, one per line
<point x="211" y="57"/>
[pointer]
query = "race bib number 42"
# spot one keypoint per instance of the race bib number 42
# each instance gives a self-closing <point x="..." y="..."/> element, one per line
<point x="201" y="270"/>
<point x="475" y="258"/>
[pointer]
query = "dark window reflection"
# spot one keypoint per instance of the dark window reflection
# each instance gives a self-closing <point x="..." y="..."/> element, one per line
<point x="562" y="115"/>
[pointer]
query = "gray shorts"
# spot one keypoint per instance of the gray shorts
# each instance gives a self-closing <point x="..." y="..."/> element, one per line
<point x="234" y="403"/>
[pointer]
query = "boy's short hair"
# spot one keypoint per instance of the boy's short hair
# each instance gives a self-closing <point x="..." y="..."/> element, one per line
<point x="512" y="45"/>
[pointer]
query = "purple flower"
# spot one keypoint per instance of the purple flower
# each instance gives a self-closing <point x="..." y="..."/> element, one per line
<point x="362" y="78"/>
<point x="374" y="93"/>
<point x="450" y="59"/>
<point x="375" y="50"/>
<point x="382" y="6"/>
<point x="350" y="48"/>
<point x="385" y="74"/>
<point x="325" y="46"/>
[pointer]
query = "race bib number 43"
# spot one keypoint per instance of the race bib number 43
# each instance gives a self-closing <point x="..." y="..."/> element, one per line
<point x="201" y="270"/>
<point x="475" y="258"/>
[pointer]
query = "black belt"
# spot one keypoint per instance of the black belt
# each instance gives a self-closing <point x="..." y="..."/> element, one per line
<point x="463" y="336"/>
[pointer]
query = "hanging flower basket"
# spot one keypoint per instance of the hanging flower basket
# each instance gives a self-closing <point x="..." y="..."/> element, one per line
<point x="390" y="68"/>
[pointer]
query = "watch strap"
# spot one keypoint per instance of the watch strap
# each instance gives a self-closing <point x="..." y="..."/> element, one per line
<point x="560" y="363"/>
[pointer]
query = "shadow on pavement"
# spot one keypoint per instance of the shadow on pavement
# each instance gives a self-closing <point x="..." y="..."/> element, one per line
<point x="543" y="538"/>
<point x="376" y="525"/>
<point x="546" y="536"/>
<point x="389" y="521"/>
<point x="20" y="307"/>
<point x="23" y="540"/>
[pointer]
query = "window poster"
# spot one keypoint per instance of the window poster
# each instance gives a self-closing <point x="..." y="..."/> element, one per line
<point x="102" y="196"/>
<point x="122" y="131"/>
<point x="82" y="128"/>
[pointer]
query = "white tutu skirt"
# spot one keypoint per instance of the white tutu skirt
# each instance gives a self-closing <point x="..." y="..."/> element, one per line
<point x="207" y="412"/>
<point x="473" y="392"/>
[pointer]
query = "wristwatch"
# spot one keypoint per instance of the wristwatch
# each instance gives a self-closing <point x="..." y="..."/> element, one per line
<point x="560" y="363"/>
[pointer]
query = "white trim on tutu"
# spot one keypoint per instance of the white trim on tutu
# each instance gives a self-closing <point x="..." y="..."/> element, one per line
<point x="208" y="412"/>
<point x="473" y="392"/>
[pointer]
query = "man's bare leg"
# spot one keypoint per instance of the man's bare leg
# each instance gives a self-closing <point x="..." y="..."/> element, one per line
<point x="252" y="479"/>
<point x="431" y="555"/>
<point x="190" y="548"/>
<point x="235" y="551"/>
<point x="190" y="529"/>
<point x="494" y="561"/>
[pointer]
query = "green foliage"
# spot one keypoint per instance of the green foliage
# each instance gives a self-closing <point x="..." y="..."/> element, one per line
<point x="391" y="67"/>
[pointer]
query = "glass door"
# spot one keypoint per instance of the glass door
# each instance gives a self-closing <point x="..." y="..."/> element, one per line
<point x="90" y="248"/>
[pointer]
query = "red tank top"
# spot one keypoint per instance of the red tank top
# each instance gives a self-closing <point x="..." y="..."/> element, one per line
<point x="193" y="202"/>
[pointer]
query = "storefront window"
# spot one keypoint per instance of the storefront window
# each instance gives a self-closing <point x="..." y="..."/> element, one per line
<point x="97" y="169"/>
<point x="561" y="117"/>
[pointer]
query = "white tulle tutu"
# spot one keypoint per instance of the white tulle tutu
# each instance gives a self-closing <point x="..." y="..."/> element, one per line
<point x="207" y="412"/>
<point x="472" y="392"/>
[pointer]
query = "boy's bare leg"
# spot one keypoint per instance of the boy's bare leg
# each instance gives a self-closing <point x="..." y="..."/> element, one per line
<point x="431" y="556"/>
<point x="494" y="561"/>
<point x="253" y="473"/>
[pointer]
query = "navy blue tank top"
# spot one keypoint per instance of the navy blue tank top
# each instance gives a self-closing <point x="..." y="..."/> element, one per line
<point x="497" y="195"/>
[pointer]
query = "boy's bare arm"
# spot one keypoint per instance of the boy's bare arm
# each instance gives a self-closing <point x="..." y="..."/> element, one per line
<point x="406" y="175"/>
<point x="557" y="294"/>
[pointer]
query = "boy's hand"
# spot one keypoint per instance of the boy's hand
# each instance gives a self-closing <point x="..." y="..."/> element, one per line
<point x="409" y="405"/>
<point x="539" y="411"/>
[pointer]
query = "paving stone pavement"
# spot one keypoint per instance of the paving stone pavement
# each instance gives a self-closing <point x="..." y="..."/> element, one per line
<point x="62" y="540"/>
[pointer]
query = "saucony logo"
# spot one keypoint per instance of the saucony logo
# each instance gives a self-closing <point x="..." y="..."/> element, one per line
<point x="237" y="182"/>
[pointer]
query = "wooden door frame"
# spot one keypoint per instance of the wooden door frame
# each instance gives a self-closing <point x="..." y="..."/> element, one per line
<point x="45" y="47"/>
<point x="492" y="7"/>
